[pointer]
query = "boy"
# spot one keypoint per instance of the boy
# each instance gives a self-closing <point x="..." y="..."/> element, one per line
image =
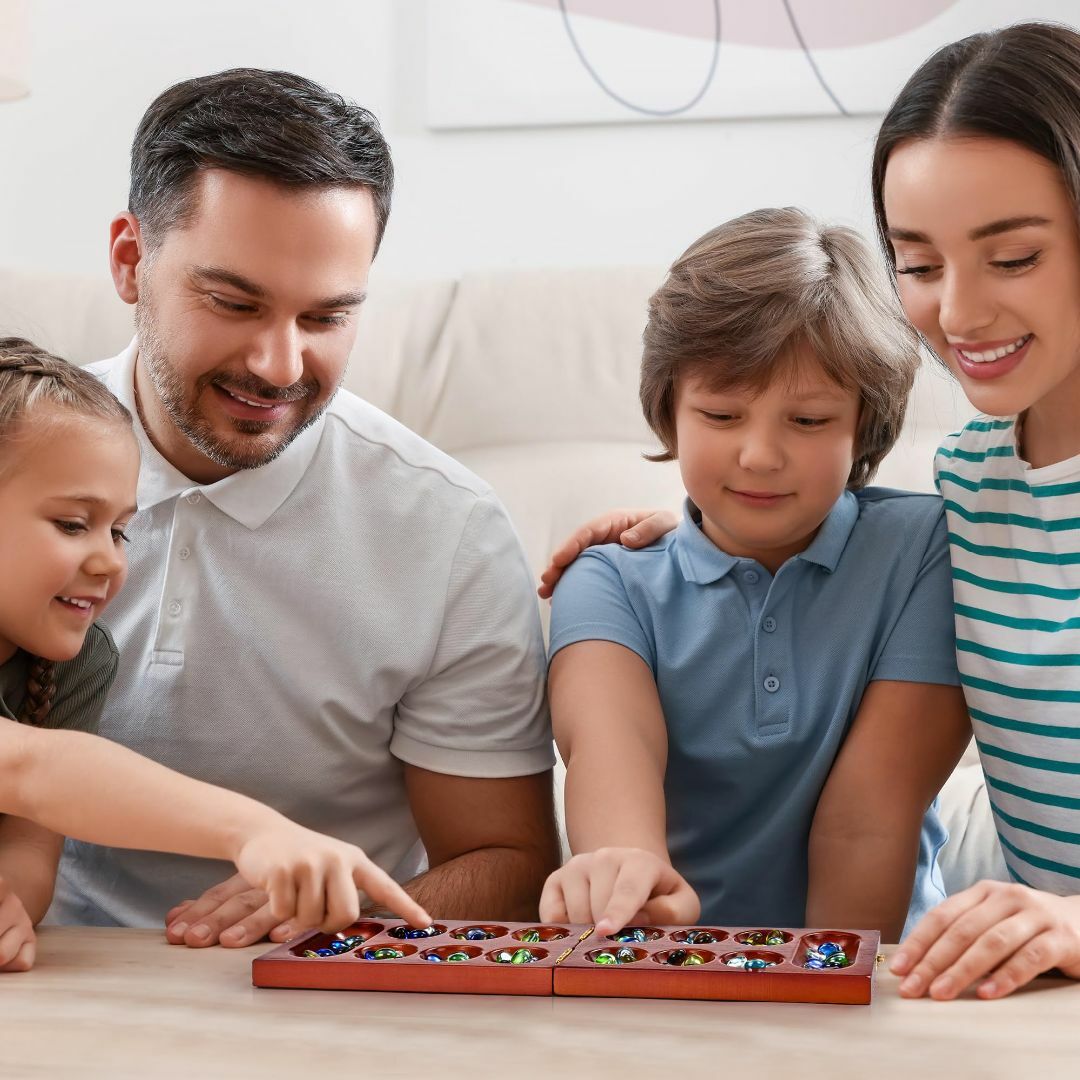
<point x="757" y="712"/>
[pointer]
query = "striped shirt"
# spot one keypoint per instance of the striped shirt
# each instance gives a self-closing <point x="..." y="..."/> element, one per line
<point x="1014" y="537"/>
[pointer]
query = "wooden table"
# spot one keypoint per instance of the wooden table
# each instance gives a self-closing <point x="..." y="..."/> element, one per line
<point x="122" y="1003"/>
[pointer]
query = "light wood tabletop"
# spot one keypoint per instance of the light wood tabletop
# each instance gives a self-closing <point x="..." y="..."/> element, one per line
<point x="123" y="1003"/>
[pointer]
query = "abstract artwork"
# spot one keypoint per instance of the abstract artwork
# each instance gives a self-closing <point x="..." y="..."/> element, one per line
<point x="525" y="62"/>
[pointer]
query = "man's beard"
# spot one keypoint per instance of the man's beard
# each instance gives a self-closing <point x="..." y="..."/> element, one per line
<point x="254" y="444"/>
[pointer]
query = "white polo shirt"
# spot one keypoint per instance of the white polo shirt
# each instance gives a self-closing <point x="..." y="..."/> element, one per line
<point x="297" y="631"/>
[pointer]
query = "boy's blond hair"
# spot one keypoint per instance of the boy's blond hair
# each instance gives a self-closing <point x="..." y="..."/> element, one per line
<point x="740" y="299"/>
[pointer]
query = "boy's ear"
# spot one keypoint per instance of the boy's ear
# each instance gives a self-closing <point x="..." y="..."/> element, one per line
<point x="125" y="253"/>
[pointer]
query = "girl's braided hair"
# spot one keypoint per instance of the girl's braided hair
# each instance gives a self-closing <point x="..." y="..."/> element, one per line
<point x="29" y="377"/>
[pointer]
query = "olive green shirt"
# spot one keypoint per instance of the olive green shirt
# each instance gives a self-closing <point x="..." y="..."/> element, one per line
<point x="81" y="683"/>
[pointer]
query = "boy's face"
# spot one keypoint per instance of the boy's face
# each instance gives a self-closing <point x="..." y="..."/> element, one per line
<point x="765" y="469"/>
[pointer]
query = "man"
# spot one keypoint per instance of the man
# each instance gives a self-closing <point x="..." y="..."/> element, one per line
<point x="323" y="611"/>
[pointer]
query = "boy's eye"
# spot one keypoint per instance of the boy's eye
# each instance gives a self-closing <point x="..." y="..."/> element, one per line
<point x="338" y="318"/>
<point x="811" y="421"/>
<point x="719" y="416"/>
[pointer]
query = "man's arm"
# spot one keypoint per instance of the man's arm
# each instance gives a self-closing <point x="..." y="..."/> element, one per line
<point x="29" y="856"/>
<point x="490" y="843"/>
<point x="864" y="843"/>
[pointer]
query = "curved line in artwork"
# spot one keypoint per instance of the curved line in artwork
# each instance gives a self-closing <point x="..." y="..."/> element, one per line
<point x="642" y="108"/>
<point x="810" y="57"/>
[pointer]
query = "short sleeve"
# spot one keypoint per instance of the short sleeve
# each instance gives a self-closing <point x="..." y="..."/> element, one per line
<point x="82" y="684"/>
<point x="922" y="644"/>
<point x="591" y="604"/>
<point x="481" y="708"/>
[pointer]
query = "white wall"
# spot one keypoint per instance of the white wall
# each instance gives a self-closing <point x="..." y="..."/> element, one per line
<point x="634" y="193"/>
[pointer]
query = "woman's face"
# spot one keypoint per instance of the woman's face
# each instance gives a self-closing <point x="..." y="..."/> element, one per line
<point x="987" y="253"/>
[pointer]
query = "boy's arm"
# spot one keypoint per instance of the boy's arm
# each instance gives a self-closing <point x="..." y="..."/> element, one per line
<point x="864" y="842"/>
<point x="610" y="729"/>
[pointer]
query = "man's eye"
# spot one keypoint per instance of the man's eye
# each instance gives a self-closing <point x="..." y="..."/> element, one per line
<point x="228" y="305"/>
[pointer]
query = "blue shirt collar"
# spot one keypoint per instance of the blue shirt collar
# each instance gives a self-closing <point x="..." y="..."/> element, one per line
<point x="702" y="562"/>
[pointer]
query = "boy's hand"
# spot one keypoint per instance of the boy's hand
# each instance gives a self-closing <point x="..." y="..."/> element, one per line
<point x="18" y="942"/>
<point x="631" y="528"/>
<point x="312" y="879"/>
<point x="614" y="887"/>
<point x="1008" y="932"/>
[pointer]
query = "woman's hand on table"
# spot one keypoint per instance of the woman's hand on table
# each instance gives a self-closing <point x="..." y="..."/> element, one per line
<point x="999" y="935"/>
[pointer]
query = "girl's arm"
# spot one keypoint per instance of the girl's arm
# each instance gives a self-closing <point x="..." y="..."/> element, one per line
<point x="610" y="730"/>
<point x="864" y="842"/>
<point x="91" y="789"/>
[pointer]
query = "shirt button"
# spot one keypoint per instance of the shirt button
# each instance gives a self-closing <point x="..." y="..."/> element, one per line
<point x="751" y="576"/>
<point x="768" y="624"/>
<point x="185" y="553"/>
<point x="175" y="607"/>
<point x="194" y="497"/>
<point x="772" y="684"/>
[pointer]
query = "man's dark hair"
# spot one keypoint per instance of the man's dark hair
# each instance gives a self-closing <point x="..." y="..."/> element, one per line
<point x="269" y="124"/>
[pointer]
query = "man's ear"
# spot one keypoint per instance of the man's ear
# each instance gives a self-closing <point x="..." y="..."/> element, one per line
<point x="126" y="251"/>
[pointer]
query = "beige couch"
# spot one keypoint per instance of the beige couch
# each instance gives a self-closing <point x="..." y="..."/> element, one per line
<point x="529" y="378"/>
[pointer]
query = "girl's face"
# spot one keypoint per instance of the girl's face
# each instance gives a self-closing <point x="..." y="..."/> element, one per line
<point x="67" y="490"/>
<point x="988" y="264"/>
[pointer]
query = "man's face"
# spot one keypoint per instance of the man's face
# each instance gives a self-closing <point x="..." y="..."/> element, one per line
<point x="246" y="317"/>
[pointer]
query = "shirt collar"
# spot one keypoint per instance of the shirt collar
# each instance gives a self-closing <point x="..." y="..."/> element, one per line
<point x="249" y="496"/>
<point x="702" y="562"/>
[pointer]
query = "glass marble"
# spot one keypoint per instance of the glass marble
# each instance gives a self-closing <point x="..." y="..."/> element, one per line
<point x="774" y="937"/>
<point x="522" y="956"/>
<point x="531" y="935"/>
<point x="383" y="954"/>
<point x="626" y="956"/>
<point x="675" y="957"/>
<point x="604" y="958"/>
<point x="457" y="957"/>
<point x="631" y="933"/>
<point x="700" y="937"/>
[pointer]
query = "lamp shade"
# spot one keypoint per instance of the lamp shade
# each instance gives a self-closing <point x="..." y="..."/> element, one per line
<point x="14" y="49"/>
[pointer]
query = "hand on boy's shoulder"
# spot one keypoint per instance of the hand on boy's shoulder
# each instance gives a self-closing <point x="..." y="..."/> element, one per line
<point x="631" y="528"/>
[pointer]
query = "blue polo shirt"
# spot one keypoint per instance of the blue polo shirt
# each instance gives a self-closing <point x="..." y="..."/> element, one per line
<point x="760" y="677"/>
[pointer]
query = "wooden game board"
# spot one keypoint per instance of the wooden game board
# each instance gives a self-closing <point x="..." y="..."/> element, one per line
<point x="564" y="964"/>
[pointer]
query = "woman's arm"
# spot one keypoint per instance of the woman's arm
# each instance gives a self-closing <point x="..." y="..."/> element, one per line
<point x="864" y="842"/>
<point x="610" y="730"/>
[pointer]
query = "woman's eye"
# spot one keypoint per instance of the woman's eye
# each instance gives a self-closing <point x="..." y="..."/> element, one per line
<point x="1018" y="264"/>
<point x="71" y="528"/>
<point x="119" y="536"/>
<point x="917" y="271"/>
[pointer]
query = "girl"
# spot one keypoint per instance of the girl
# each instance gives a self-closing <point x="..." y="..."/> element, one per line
<point x="976" y="184"/>
<point x="68" y="473"/>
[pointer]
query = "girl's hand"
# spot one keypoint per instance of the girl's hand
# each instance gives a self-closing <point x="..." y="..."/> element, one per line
<point x="631" y="528"/>
<point x="615" y="887"/>
<point x="1008" y="932"/>
<point x="312" y="880"/>
<point x="18" y="942"/>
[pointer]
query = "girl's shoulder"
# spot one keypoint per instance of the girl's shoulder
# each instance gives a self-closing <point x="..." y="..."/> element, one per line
<point x="83" y="682"/>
